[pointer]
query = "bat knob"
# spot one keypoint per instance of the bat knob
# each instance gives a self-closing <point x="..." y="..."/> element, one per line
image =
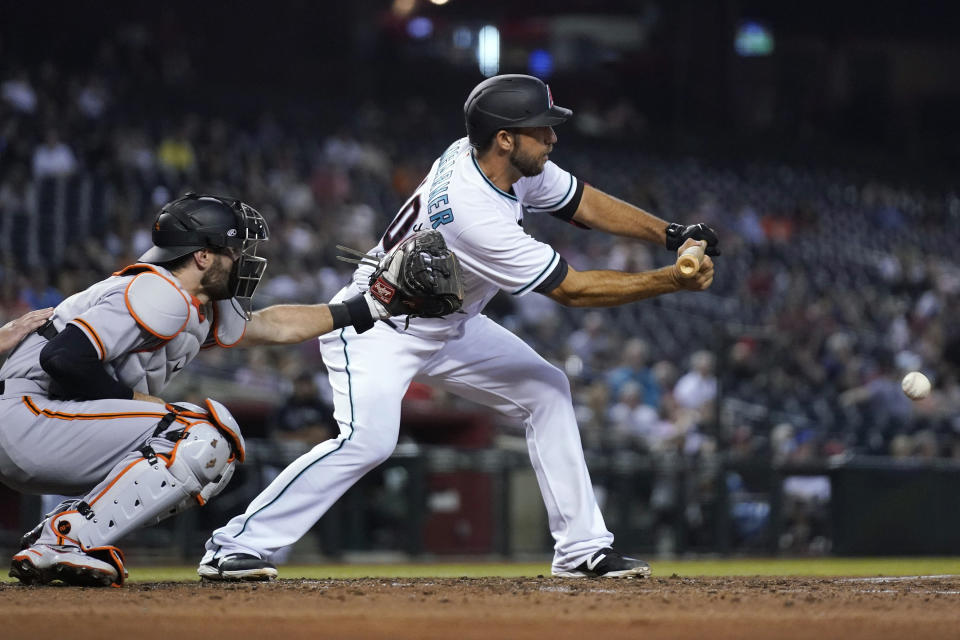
<point x="688" y="264"/>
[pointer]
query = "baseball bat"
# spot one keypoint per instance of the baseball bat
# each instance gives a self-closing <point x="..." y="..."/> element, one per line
<point x="688" y="262"/>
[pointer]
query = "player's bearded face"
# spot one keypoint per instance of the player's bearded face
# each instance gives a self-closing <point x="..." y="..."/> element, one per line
<point x="216" y="279"/>
<point x="528" y="155"/>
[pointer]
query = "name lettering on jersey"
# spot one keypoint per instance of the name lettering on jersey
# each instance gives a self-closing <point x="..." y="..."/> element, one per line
<point x="437" y="197"/>
<point x="438" y="218"/>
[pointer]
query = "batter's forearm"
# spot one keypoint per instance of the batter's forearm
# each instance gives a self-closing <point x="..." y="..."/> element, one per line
<point x="612" y="288"/>
<point x="603" y="212"/>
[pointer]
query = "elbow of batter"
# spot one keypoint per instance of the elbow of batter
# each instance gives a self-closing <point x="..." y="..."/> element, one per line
<point x="567" y="297"/>
<point x="570" y="292"/>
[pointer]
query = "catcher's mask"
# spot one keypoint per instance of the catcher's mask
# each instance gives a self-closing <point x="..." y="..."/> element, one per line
<point x="196" y="222"/>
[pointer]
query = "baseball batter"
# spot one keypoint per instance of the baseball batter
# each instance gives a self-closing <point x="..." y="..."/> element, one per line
<point x="79" y="412"/>
<point x="475" y="195"/>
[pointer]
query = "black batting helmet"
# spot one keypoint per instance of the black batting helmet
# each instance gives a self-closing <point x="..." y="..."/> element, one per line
<point x="508" y="101"/>
<point x="196" y="222"/>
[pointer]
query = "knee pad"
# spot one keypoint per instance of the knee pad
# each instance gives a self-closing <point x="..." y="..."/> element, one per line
<point x="218" y="415"/>
<point x="149" y="489"/>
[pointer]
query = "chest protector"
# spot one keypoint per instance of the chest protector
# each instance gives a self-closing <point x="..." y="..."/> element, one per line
<point x="176" y="327"/>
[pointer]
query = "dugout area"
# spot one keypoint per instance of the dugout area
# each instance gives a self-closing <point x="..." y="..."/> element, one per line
<point x="520" y="606"/>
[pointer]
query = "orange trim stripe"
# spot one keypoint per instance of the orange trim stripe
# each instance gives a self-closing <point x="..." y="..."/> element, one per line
<point x="143" y="325"/>
<point x="216" y="326"/>
<point x="93" y="333"/>
<point x="137" y="267"/>
<point x="60" y="415"/>
<point x="114" y="481"/>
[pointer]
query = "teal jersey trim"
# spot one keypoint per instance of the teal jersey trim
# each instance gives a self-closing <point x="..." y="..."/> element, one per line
<point x="487" y="180"/>
<point x="307" y="468"/>
<point x="532" y="283"/>
<point x="559" y="203"/>
<point x="289" y="484"/>
<point x="346" y="368"/>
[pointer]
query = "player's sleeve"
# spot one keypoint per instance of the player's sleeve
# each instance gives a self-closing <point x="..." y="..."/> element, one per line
<point x="553" y="191"/>
<point x="228" y="326"/>
<point x="506" y="256"/>
<point x="73" y="364"/>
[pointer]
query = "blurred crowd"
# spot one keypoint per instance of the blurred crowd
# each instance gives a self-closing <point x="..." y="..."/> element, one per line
<point x="831" y="285"/>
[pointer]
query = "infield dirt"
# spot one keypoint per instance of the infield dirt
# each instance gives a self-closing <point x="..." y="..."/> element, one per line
<point x="490" y="608"/>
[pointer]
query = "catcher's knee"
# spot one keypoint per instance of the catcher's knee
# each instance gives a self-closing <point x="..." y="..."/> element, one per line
<point x="208" y="449"/>
<point x="202" y="457"/>
<point x="160" y="483"/>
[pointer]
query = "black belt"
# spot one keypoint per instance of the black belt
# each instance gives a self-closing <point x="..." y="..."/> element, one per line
<point x="47" y="330"/>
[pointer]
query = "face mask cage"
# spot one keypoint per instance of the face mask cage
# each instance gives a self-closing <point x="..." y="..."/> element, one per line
<point x="248" y="268"/>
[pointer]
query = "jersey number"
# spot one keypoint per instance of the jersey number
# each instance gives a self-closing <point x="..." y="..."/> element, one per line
<point x="402" y="224"/>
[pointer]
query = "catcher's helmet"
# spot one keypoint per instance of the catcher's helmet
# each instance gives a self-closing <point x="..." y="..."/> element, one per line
<point x="507" y="101"/>
<point x="196" y="222"/>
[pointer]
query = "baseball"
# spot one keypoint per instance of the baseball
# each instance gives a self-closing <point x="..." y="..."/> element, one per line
<point x="916" y="385"/>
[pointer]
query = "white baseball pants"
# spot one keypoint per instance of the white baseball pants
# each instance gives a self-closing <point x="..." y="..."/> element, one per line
<point x="370" y="374"/>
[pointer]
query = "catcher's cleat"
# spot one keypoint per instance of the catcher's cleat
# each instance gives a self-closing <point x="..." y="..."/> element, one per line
<point x="44" y="563"/>
<point x="30" y="537"/>
<point x="608" y="563"/>
<point x="237" y="567"/>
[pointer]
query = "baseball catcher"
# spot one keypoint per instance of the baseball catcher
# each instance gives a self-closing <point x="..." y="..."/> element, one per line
<point x="80" y="412"/>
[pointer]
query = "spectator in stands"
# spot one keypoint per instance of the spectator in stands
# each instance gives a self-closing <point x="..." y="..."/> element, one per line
<point x="303" y="415"/>
<point x="591" y="340"/>
<point x="631" y="420"/>
<point x="176" y="155"/>
<point x="53" y="158"/>
<point x="881" y="395"/>
<point x="634" y="369"/>
<point x="39" y="292"/>
<point x="697" y="389"/>
<point x="18" y="92"/>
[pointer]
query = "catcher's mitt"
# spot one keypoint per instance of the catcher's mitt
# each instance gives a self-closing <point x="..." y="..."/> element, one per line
<point x="419" y="277"/>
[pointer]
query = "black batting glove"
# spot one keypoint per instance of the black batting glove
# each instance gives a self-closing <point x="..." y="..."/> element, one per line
<point x="677" y="234"/>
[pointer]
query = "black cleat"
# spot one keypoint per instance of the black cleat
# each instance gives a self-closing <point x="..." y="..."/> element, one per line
<point x="608" y="563"/>
<point x="236" y="567"/>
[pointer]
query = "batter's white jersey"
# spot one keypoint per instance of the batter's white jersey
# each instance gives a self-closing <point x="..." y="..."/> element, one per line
<point x="482" y="225"/>
<point x="466" y="354"/>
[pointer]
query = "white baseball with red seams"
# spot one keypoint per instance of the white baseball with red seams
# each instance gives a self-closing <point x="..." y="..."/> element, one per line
<point x="916" y="385"/>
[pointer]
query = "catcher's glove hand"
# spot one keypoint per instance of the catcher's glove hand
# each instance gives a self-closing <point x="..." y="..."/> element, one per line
<point x="419" y="277"/>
